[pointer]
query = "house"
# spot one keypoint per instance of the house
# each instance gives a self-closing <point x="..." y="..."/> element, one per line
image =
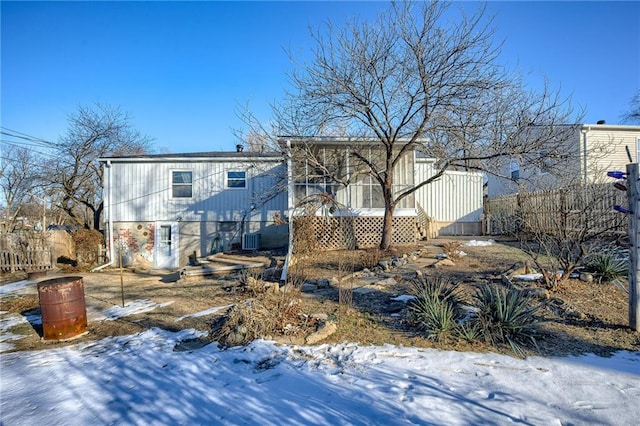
<point x="594" y="149"/>
<point x="160" y="209"/>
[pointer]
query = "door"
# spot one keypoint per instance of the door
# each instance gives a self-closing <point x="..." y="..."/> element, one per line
<point x="166" y="245"/>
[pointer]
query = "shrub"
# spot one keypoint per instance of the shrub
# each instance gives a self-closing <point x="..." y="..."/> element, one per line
<point x="505" y="316"/>
<point x="371" y="258"/>
<point x="607" y="268"/>
<point x="452" y="249"/>
<point x="437" y="306"/>
<point x="469" y="331"/>
<point x="87" y="242"/>
<point x="265" y="316"/>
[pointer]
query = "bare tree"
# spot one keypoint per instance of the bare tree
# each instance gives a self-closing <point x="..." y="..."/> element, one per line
<point x="633" y="115"/>
<point x="19" y="181"/>
<point x="93" y="132"/>
<point x="409" y="81"/>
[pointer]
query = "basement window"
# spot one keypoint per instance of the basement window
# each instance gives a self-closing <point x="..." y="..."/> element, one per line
<point x="181" y="184"/>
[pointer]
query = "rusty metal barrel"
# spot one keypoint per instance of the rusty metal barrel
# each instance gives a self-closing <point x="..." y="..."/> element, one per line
<point x="64" y="314"/>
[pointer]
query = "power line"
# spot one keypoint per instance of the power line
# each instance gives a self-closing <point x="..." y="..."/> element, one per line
<point x="7" y="131"/>
<point x="21" y="145"/>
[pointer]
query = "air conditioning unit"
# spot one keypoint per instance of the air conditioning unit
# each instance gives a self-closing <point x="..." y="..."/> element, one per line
<point x="251" y="241"/>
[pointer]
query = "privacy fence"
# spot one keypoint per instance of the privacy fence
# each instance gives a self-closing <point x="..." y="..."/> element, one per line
<point x="578" y="208"/>
<point x="33" y="252"/>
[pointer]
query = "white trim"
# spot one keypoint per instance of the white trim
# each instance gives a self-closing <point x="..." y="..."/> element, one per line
<point x="236" y="188"/>
<point x="175" y="246"/>
<point x="171" y="171"/>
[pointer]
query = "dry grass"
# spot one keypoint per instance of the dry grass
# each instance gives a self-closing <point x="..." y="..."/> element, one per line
<point x="268" y="315"/>
<point x="289" y="317"/>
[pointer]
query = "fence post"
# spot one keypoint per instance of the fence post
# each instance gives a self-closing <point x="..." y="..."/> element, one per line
<point x="633" y="198"/>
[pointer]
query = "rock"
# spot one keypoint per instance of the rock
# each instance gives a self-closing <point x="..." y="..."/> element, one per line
<point x="573" y="314"/>
<point x="586" y="277"/>
<point x="321" y="316"/>
<point x="326" y="330"/>
<point x="538" y="293"/>
<point x="443" y="262"/>
<point x="384" y="265"/>
<point x="387" y="282"/>
<point x="394" y="306"/>
<point x="363" y="290"/>
<point x="397" y="262"/>
<point x="309" y="287"/>
<point x="271" y="274"/>
<point x="333" y="281"/>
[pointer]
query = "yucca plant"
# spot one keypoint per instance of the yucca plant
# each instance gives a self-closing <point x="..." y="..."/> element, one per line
<point x="505" y="316"/>
<point x="607" y="268"/>
<point x="437" y="306"/>
<point x="469" y="331"/>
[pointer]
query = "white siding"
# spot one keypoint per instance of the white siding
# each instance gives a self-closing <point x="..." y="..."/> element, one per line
<point x="455" y="197"/>
<point x="142" y="192"/>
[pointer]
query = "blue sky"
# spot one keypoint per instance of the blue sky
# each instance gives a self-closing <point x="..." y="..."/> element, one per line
<point x="182" y="69"/>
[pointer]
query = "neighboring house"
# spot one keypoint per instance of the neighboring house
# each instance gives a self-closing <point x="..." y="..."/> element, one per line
<point x="163" y="208"/>
<point x="595" y="149"/>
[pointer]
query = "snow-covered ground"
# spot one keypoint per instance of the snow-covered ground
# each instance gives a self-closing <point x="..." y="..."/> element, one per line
<point x="142" y="380"/>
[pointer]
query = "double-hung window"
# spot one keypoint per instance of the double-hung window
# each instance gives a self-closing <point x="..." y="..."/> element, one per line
<point x="236" y="179"/>
<point x="181" y="184"/>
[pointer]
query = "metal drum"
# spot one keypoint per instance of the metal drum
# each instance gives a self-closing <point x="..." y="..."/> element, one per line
<point x="64" y="314"/>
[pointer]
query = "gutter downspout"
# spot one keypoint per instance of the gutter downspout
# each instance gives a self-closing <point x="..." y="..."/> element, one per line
<point x="110" y="226"/>
<point x="585" y="172"/>
<point x="290" y="189"/>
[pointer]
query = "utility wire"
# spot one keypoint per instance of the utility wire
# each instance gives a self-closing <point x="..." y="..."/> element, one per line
<point x="15" y="133"/>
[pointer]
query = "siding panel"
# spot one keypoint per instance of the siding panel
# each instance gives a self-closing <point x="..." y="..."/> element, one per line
<point x="455" y="197"/>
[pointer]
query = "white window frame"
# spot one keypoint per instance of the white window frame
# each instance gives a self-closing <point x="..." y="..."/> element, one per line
<point x="227" y="179"/>
<point x="174" y="184"/>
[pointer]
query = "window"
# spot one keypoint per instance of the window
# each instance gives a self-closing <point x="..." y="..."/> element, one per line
<point x="181" y="184"/>
<point x="515" y="170"/>
<point x="236" y="179"/>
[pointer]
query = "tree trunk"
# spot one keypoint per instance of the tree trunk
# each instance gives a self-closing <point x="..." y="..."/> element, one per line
<point x="96" y="216"/>
<point x="387" y="224"/>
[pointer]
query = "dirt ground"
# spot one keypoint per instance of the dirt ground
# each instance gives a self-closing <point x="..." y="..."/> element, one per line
<point x="580" y="317"/>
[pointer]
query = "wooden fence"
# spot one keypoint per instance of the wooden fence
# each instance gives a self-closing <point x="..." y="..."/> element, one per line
<point x="575" y="208"/>
<point x="29" y="261"/>
<point x="25" y="252"/>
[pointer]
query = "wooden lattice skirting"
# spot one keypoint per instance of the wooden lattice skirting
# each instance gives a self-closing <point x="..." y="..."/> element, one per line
<point x="334" y="233"/>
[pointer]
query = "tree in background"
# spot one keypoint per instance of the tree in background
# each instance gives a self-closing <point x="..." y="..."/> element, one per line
<point x="20" y="182"/>
<point x="412" y="81"/>
<point x="93" y="132"/>
<point x="633" y="115"/>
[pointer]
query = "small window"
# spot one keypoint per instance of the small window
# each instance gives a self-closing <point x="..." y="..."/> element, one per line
<point x="181" y="184"/>
<point x="236" y="179"/>
<point x="515" y="170"/>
